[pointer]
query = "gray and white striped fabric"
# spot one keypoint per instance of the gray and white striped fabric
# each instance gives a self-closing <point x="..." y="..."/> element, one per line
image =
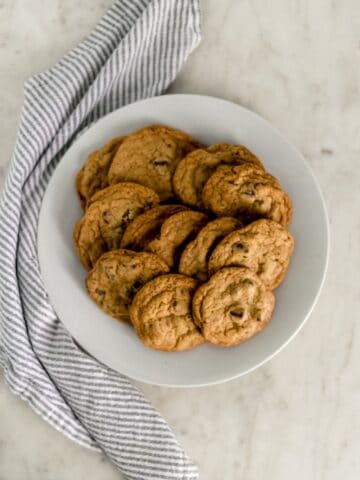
<point x="135" y="52"/>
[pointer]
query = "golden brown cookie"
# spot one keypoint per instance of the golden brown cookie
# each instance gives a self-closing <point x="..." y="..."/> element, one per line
<point x="194" y="170"/>
<point x="232" y="306"/>
<point x="174" y="233"/>
<point x="106" y="218"/>
<point x="161" y="314"/>
<point x="116" y="277"/>
<point x="239" y="154"/>
<point x="264" y="246"/>
<point x="150" y="156"/>
<point x="147" y="226"/>
<point x="246" y="189"/>
<point x="195" y="256"/>
<point x="93" y="175"/>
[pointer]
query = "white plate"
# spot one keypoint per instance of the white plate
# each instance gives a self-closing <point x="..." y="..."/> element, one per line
<point x="211" y="120"/>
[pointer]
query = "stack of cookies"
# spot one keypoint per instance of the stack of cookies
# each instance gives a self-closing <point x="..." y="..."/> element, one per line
<point x="183" y="241"/>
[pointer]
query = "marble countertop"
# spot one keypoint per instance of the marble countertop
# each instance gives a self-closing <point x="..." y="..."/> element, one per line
<point x="298" y="65"/>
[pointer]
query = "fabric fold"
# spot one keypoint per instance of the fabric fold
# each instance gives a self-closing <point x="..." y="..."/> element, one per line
<point x="134" y="52"/>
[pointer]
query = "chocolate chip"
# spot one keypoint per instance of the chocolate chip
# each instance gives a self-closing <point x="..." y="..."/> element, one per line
<point x="136" y="285"/>
<point x="161" y="162"/>
<point x="240" y="247"/>
<point x="100" y="292"/>
<point x="239" y="312"/>
<point x="134" y="288"/>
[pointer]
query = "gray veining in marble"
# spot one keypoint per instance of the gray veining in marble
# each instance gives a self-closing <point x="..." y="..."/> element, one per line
<point x="297" y="63"/>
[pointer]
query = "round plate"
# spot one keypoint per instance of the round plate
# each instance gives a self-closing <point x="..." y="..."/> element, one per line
<point x="210" y="120"/>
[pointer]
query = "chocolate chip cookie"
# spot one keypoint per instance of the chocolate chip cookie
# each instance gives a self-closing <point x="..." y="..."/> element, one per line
<point x="195" y="256"/>
<point x="161" y="314"/>
<point x="116" y="277"/>
<point x="194" y="170"/>
<point x="147" y="226"/>
<point x="109" y="212"/>
<point x="232" y="306"/>
<point x="174" y="233"/>
<point x="93" y="175"/>
<point x="246" y="189"/>
<point x="239" y="154"/>
<point x="264" y="246"/>
<point x="150" y="156"/>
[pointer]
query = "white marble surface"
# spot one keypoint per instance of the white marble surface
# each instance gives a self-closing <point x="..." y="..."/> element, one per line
<point x="297" y="63"/>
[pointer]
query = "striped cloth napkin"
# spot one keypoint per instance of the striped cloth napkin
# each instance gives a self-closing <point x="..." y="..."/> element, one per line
<point x="134" y="52"/>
